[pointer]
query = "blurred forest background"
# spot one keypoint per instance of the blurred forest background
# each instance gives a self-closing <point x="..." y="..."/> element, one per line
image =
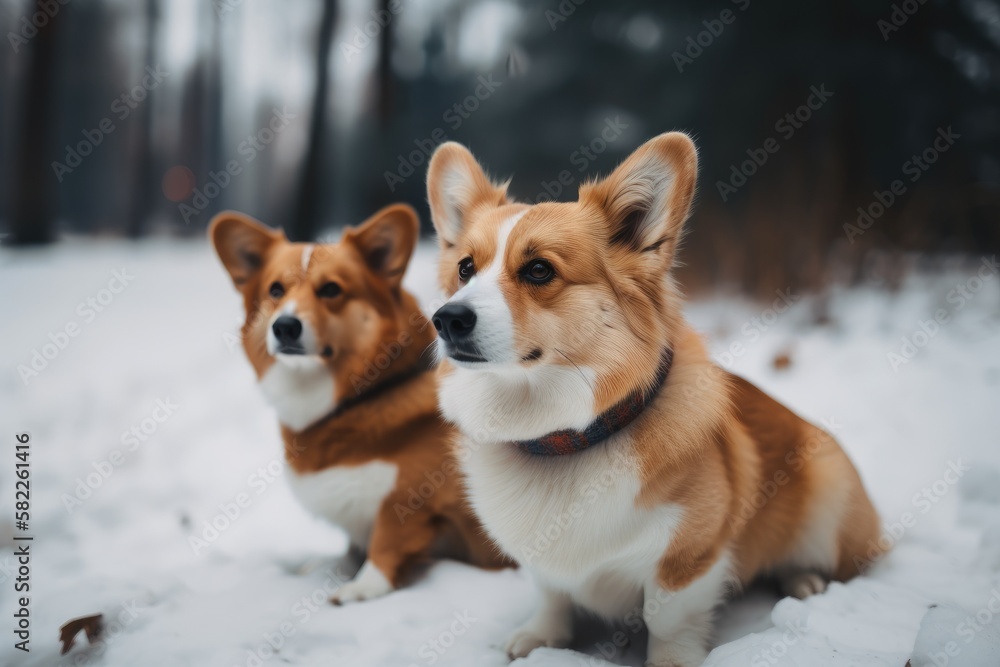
<point x="143" y="118"/>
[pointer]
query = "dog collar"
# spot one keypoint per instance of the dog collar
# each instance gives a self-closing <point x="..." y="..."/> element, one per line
<point x="422" y="366"/>
<point x="609" y="422"/>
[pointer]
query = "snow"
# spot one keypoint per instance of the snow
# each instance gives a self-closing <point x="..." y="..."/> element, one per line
<point x="161" y="356"/>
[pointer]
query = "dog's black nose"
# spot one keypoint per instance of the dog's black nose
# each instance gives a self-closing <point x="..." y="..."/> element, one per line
<point x="454" y="321"/>
<point x="287" y="329"/>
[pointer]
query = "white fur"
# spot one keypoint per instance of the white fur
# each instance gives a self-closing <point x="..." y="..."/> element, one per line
<point x="300" y="389"/>
<point x="494" y="332"/>
<point x="308" y="339"/>
<point x="502" y="399"/>
<point x="550" y="625"/>
<point x="517" y="403"/>
<point x="349" y="496"/>
<point x="680" y="622"/>
<point x="573" y="523"/>
<point x="369" y="583"/>
<point x="457" y="189"/>
<point x="298" y="386"/>
<point x="572" y="520"/>
<point x="306" y="256"/>
<point x="650" y="182"/>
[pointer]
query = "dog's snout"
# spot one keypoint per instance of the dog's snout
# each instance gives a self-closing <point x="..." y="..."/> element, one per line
<point x="287" y="329"/>
<point x="454" y="321"/>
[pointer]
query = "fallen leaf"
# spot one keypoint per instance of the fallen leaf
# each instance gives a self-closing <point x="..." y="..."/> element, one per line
<point x="91" y="624"/>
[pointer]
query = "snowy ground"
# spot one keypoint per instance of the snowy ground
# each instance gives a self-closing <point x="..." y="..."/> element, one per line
<point x="166" y="339"/>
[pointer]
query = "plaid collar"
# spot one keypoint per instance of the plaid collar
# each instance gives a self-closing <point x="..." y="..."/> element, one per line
<point x="614" y="419"/>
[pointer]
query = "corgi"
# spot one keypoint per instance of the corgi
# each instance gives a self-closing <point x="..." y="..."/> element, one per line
<point x="338" y="348"/>
<point x="603" y="449"/>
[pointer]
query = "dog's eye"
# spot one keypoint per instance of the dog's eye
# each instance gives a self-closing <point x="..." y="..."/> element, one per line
<point x="328" y="291"/>
<point x="538" y="271"/>
<point x="276" y="290"/>
<point x="466" y="269"/>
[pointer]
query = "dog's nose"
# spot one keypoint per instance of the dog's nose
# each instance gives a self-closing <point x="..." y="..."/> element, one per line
<point x="287" y="329"/>
<point x="454" y="321"/>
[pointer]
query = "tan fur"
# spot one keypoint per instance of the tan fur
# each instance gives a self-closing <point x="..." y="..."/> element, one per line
<point x="395" y="418"/>
<point x="710" y="440"/>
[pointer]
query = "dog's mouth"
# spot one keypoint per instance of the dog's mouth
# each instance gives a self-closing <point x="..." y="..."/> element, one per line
<point x="467" y="358"/>
<point x="464" y="354"/>
<point x="291" y="350"/>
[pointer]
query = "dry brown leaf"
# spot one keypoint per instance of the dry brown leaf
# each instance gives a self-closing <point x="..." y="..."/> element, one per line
<point x="92" y="625"/>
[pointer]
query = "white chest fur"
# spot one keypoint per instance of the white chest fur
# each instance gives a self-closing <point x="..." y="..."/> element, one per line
<point x="573" y="520"/>
<point x="349" y="496"/>
<point x="300" y="390"/>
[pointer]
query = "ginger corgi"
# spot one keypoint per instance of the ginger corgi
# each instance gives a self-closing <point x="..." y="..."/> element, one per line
<point x="338" y="347"/>
<point x="603" y="449"/>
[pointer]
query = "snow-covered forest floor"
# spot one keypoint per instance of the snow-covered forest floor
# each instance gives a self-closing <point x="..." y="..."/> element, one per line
<point x="112" y="530"/>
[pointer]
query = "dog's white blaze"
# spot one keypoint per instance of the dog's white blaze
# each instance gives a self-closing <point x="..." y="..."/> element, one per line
<point x="308" y="339"/>
<point x="301" y="391"/>
<point x="503" y="400"/>
<point x="306" y="256"/>
<point x="348" y="496"/>
<point x="494" y="332"/>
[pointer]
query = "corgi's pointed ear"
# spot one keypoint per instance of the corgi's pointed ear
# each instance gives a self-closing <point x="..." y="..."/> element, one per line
<point x="242" y="243"/>
<point x="386" y="241"/>
<point x="455" y="185"/>
<point x="648" y="197"/>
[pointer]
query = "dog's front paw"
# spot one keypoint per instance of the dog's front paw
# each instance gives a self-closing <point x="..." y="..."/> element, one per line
<point x="370" y="583"/>
<point x="529" y="637"/>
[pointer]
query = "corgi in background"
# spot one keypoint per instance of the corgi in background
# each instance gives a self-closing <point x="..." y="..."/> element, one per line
<point x="603" y="449"/>
<point x="338" y="348"/>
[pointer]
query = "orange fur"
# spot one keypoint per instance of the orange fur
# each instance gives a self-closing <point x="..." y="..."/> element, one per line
<point x="710" y="440"/>
<point x="394" y="418"/>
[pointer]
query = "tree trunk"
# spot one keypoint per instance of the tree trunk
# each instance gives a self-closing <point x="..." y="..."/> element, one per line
<point x="35" y="191"/>
<point x="314" y="173"/>
<point x="140" y="156"/>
